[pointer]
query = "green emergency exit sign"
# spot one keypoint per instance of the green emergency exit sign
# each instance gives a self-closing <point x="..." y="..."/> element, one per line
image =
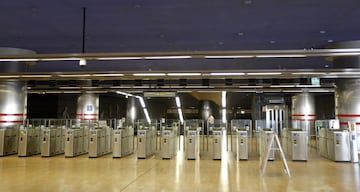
<point x="315" y="81"/>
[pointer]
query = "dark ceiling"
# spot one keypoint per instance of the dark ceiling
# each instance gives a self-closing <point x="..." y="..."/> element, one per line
<point x="52" y="26"/>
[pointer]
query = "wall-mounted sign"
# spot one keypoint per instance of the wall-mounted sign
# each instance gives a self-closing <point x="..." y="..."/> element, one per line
<point x="315" y="81"/>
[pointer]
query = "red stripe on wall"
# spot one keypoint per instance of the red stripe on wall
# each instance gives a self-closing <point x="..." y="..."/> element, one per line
<point x="87" y="114"/>
<point x="348" y="115"/>
<point x="15" y="121"/>
<point x="8" y="114"/>
<point x="304" y="119"/>
<point x="302" y="115"/>
<point x="345" y="123"/>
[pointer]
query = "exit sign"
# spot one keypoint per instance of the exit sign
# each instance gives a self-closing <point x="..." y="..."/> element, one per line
<point x="315" y="81"/>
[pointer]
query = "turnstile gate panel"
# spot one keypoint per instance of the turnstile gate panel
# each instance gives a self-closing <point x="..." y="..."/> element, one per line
<point x="29" y="141"/>
<point x="9" y="141"/>
<point x="242" y="145"/>
<point x="123" y="142"/>
<point x="168" y="143"/>
<point x="217" y="144"/>
<point x="192" y="144"/>
<point x="52" y="141"/>
<point x="146" y="143"/>
<point x="341" y="146"/>
<point x="299" y="145"/>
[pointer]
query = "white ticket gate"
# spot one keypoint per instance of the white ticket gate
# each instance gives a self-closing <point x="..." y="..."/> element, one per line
<point x="193" y="144"/>
<point x="337" y="146"/>
<point x="298" y="146"/>
<point x="217" y="143"/>
<point x="29" y="141"/>
<point x="77" y="140"/>
<point x="146" y="143"/>
<point x="53" y="141"/>
<point x="168" y="143"/>
<point x="100" y="141"/>
<point x="242" y="145"/>
<point x="123" y="142"/>
<point x="9" y="140"/>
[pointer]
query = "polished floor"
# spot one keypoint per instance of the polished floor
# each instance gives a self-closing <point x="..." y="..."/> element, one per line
<point x="178" y="174"/>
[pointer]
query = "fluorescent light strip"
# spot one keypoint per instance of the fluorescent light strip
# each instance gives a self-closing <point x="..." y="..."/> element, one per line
<point x="9" y="76"/>
<point x="119" y="58"/>
<point x="78" y="75"/>
<point x="274" y="73"/>
<point x="108" y="75"/>
<point x="308" y="73"/>
<point x="223" y="98"/>
<point x="345" y="73"/>
<point x="61" y="59"/>
<point x="279" y="86"/>
<point x="36" y="76"/>
<point x="181" y="117"/>
<point x="224" y="115"/>
<point x="184" y="74"/>
<point x="147" y="115"/>
<point x="178" y="104"/>
<point x="69" y="87"/>
<point x="226" y="74"/>
<point x="308" y="86"/>
<point x="251" y="86"/>
<point x="277" y="56"/>
<point x="169" y="57"/>
<point x="228" y="56"/>
<point x="142" y="103"/>
<point x="149" y="74"/>
<point x="125" y="94"/>
<point x="15" y="60"/>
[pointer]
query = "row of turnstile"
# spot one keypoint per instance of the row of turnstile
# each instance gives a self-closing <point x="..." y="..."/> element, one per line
<point x="334" y="144"/>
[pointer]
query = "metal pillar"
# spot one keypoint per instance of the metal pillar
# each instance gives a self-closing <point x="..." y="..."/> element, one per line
<point x="88" y="107"/>
<point x="303" y="112"/>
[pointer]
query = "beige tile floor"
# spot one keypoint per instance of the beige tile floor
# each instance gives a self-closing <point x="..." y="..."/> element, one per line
<point x="178" y="174"/>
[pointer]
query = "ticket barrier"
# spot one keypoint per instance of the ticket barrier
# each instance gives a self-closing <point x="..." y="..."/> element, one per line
<point x="100" y="141"/>
<point x="29" y="141"/>
<point x="265" y="137"/>
<point x="193" y="144"/>
<point x="217" y="143"/>
<point x="242" y="144"/>
<point x="337" y="145"/>
<point x="169" y="142"/>
<point x="123" y="142"/>
<point x="9" y="140"/>
<point x="296" y="144"/>
<point x="53" y="141"/>
<point x="146" y="143"/>
<point x="77" y="141"/>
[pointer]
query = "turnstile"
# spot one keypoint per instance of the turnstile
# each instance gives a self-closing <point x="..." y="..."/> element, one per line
<point x="77" y="141"/>
<point x="123" y="142"/>
<point x="168" y="143"/>
<point x="53" y="141"/>
<point x="193" y="144"/>
<point x="146" y="143"/>
<point x="9" y="140"/>
<point x="298" y="146"/>
<point x="217" y="143"/>
<point x="242" y="145"/>
<point x="265" y="137"/>
<point x="100" y="141"/>
<point x="29" y="141"/>
<point x="335" y="145"/>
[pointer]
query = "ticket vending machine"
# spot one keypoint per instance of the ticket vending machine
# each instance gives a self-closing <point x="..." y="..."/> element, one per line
<point x="242" y="145"/>
<point x="298" y="148"/>
<point x="217" y="143"/>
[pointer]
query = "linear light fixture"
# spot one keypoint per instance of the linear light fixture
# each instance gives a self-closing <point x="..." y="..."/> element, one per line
<point x="308" y="73"/>
<point x="265" y="73"/>
<point x="149" y="74"/>
<point x="35" y="76"/>
<point x="108" y="75"/>
<point x="181" y="117"/>
<point x="226" y="74"/>
<point x="227" y="56"/>
<point x="178" y="104"/>
<point x="119" y="58"/>
<point x="9" y="76"/>
<point x="169" y="57"/>
<point x="278" y="56"/>
<point x="74" y="75"/>
<point x="60" y="59"/>
<point x="147" y="115"/>
<point x="279" y="86"/>
<point x="19" y="60"/>
<point x="224" y="115"/>
<point x="184" y="74"/>
<point x="126" y="94"/>
<point x="345" y="73"/>
<point x="223" y="99"/>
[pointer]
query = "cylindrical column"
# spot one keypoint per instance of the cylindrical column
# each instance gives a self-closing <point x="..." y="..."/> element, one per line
<point x="347" y="101"/>
<point x="205" y="109"/>
<point x="131" y="111"/>
<point x="13" y="93"/>
<point x="303" y="112"/>
<point x="88" y="107"/>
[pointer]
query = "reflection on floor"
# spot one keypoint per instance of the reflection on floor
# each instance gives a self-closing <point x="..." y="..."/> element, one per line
<point x="178" y="174"/>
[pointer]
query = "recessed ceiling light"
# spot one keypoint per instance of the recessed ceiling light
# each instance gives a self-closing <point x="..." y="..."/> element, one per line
<point x="247" y="2"/>
<point x="322" y="32"/>
<point x="272" y="42"/>
<point x="330" y="40"/>
<point x="240" y="34"/>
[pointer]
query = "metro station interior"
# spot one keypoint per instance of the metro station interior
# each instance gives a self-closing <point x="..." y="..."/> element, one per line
<point x="160" y="95"/>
